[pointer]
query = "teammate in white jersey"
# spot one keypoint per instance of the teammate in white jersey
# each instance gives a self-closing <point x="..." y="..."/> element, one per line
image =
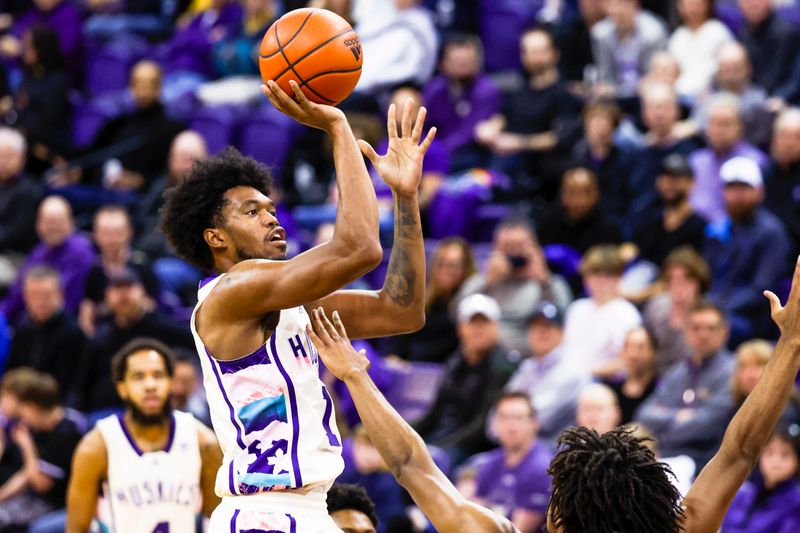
<point x="151" y="469"/>
<point x="272" y="415"/>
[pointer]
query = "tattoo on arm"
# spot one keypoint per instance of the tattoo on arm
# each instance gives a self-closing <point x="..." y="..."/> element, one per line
<point x="401" y="276"/>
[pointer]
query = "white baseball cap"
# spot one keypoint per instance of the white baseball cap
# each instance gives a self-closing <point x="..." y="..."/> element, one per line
<point x="478" y="304"/>
<point x="742" y="170"/>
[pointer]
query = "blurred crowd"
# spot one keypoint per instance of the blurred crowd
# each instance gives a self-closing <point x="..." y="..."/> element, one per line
<point x="612" y="186"/>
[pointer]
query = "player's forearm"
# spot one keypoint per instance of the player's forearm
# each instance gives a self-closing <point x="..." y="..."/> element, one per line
<point x="750" y="429"/>
<point x="404" y="288"/>
<point x="357" y="216"/>
<point x="397" y="443"/>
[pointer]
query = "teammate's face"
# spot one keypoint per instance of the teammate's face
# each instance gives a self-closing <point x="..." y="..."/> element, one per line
<point x="146" y="387"/>
<point x="778" y="462"/>
<point x="250" y="228"/>
<point x="352" y="521"/>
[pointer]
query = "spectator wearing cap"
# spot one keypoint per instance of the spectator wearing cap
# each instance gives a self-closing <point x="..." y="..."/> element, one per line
<point x="113" y="233"/>
<point x="578" y="220"/>
<point x="746" y="251"/>
<point x="724" y="134"/>
<point x="131" y="316"/>
<point x="686" y="278"/>
<point x="461" y="97"/>
<point x="512" y="479"/>
<point x="637" y="381"/>
<point x="677" y="224"/>
<point x="782" y="179"/>
<point x="473" y="379"/>
<point x="62" y="248"/>
<point x="48" y="339"/>
<point x="517" y="277"/>
<point x="551" y="382"/>
<point x="692" y="404"/>
<point x="596" y="326"/>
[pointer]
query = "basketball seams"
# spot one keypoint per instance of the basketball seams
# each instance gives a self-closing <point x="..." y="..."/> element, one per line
<point x="291" y="65"/>
<point x="321" y="74"/>
<point x="304" y="56"/>
<point x="290" y="38"/>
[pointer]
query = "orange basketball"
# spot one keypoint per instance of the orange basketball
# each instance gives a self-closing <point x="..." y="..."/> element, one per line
<point x="315" y="47"/>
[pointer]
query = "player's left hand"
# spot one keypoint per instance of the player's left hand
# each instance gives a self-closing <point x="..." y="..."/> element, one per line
<point x="401" y="166"/>
<point x="334" y="347"/>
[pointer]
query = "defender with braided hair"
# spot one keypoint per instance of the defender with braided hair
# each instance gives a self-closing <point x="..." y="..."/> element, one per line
<point x="609" y="483"/>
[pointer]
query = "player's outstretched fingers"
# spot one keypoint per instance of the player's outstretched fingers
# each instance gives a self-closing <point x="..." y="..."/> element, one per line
<point x="416" y="134"/>
<point x="332" y="333"/>
<point x="428" y="139"/>
<point x="391" y="121"/>
<point x="299" y="95"/>
<point x="774" y="303"/>
<point x="368" y="151"/>
<point x="285" y="104"/>
<point x="337" y="321"/>
<point x="319" y="328"/>
<point x="406" y="123"/>
<point x="316" y="341"/>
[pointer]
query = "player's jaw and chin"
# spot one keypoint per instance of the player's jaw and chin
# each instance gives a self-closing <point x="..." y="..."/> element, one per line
<point x="148" y="417"/>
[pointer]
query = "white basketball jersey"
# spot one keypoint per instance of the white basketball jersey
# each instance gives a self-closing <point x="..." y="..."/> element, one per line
<point x="151" y="492"/>
<point x="272" y="415"/>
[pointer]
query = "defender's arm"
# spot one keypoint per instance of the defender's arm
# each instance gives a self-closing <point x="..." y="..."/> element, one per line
<point x="89" y="469"/>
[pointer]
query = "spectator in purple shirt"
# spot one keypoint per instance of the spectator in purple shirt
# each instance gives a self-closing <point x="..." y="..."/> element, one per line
<point x="459" y="98"/>
<point x="61" y="248"/>
<point x="770" y="503"/>
<point x="512" y="480"/>
<point x="724" y="133"/>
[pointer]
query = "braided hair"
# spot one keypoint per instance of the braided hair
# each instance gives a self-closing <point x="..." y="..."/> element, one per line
<point x="611" y="483"/>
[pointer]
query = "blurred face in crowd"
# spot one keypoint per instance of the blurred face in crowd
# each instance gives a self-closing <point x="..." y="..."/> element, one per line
<point x="748" y="372"/>
<point x="724" y="127"/>
<point x="146" y="84"/>
<point x="664" y="68"/>
<point x="638" y="352"/>
<point x="145" y="388"/>
<point x="706" y="333"/>
<point x="54" y="221"/>
<point x="43" y="298"/>
<point x="478" y="336"/>
<point x="623" y="13"/>
<point x="9" y="405"/>
<point x="127" y="301"/>
<point x="733" y="68"/>
<point x="448" y="268"/>
<point x="579" y="194"/>
<point x="12" y="159"/>
<point x="112" y="232"/>
<point x="518" y="243"/>
<point x="33" y="416"/>
<point x="592" y="10"/>
<point x="184" y="383"/>
<point x="694" y="12"/>
<point x="598" y="409"/>
<point x="599" y="129"/>
<point x="778" y="461"/>
<point x="683" y="289"/>
<point x="29" y="54"/>
<point x="601" y="286"/>
<point x="660" y="111"/>
<point x="755" y="11"/>
<point x="365" y="456"/>
<point x="742" y="200"/>
<point x="786" y="139"/>
<point x="187" y="148"/>
<point x="460" y="62"/>
<point x="544" y="336"/>
<point x="674" y="190"/>
<point x="515" y="424"/>
<point x="46" y="5"/>
<point x="538" y="53"/>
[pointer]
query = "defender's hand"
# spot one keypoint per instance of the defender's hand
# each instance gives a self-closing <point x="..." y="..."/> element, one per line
<point x="303" y="110"/>
<point x="401" y="167"/>
<point x="787" y="317"/>
<point x="334" y="347"/>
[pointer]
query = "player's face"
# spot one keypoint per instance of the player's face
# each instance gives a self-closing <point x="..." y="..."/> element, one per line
<point x="352" y="521"/>
<point x="778" y="462"/>
<point x="250" y="222"/>
<point x="146" y="387"/>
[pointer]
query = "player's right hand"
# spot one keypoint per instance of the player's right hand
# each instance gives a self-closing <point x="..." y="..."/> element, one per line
<point x="787" y="317"/>
<point x="334" y="347"/>
<point x="300" y="108"/>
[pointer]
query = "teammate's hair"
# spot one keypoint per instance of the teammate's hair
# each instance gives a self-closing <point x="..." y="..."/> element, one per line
<point x="196" y="203"/>
<point x="119" y="363"/>
<point x="610" y="483"/>
<point x="31" y="386"/>
<point x="343" y="497"/>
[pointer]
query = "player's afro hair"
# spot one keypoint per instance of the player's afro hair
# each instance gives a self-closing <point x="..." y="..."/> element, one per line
<point x="196" y="202"/>
<point x="343" y="497"/>
<point x="611" y="483"/>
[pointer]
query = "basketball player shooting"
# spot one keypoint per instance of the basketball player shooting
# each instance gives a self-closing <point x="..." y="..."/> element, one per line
<point x="156" y="467"/>
<point x="608" y="483"/>
<point x="273" y="416"/>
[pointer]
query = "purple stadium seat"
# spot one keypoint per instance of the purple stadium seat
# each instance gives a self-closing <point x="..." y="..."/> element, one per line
<point x="266" y="136"/>
<point x="89" y="117"/>
<point x="563" y="259"/>
<point x="502" y="24"/>
<point x="108" y="67"/>
<point x="216" y="125"/>
<point x="414" y="388"/>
